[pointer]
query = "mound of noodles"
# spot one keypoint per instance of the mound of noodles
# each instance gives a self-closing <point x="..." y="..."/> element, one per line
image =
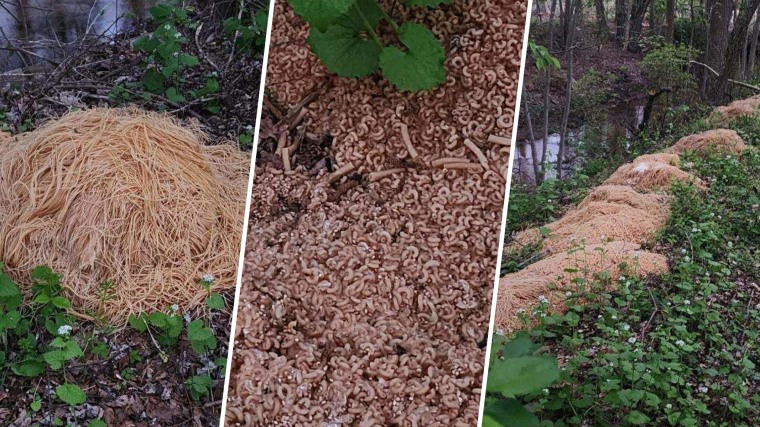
<point x="124" y="196"/>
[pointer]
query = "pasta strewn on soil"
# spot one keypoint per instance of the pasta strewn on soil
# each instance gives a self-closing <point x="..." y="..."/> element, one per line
<point x="608" y="227"/>
<point x="366" y="292"/>
<point x="124" y="196"/>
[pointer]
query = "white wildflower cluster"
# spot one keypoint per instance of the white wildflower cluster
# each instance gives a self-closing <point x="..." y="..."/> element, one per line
<point x="208" y="278"/>
<point x="542" y="299"/>
<point x="680" y="343"/>
<point x="65" y="330"/>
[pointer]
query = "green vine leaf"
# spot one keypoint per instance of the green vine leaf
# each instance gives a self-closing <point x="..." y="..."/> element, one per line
<point x="320" y="14"/>
<point x="425" y="3"/>
<point x="419" y="68"/>
<point x="345" y="51"/>
<point x="71" y="394"/>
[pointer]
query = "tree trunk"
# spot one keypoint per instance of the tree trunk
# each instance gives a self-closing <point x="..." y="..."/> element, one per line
<point x="734" y="51"/>
<point x="719" y="16"/>
<point x="601" y="16"/>
<point x="752" y="55"/>
<point x="547" y="87"/>
<point x="670" y="20"/>
<point x="531" y="140"/>
<point x="571" y="14"/>
<point x="621" y="18"/>
<point x="638" y="10"/>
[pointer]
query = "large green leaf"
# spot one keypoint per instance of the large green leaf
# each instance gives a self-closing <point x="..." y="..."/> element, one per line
<point x="345" y="51"/>
<point x="71" y="394"/>
<point x="421" y="67"/>
<point x="522" y="375"/>
<point x="507" y="413"/>
<point x="320" y="14"/>
<point x="521" y="345"/>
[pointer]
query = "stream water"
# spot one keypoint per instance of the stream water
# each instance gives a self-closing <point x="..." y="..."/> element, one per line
<point x="40" y="26"/>
<point x="618" y="125"/>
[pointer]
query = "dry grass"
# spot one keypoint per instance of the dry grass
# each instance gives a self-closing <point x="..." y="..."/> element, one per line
<point x="124" y="196"/>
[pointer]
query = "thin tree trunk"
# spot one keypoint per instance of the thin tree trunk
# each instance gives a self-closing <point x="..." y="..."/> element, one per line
<point x="636" y="24"/>
<point x="601" y="16"/>
<point x="531" y="140"/>
<point x="569" y="89"/>
<point x="547" y="88"/>
<point x="622" y="12"/>
<point x="670" y="20"/>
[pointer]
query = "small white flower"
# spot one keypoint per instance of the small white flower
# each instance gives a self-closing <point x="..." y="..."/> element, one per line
<point x="546" y="391"/>
<point x="542" y="299"/>
<point x="712" y="213"/>
<point x="208" y="278"/>
<point x="621" y="278"/>
<point x="614" y="317"/>
<point x="174" y="307"/>
<point x="177" y="35"/>
<point x="702" y="389"/>
<point x="680" y="343"/>
<point x="599" y="316"/>
<point x="687" y="302"/>
<point x="167" y="27"/>
<point x="568" y="293"/>
<point x="249" y="128"/>
<point x="669" y="406"/>
<point x="626" y="327"/>
<point x="64" y="330"/>
<point x="683" y="251"/>
<point x="520" y="310"/>
<point x="631" y="340"/>
<point x="694" y="230"/>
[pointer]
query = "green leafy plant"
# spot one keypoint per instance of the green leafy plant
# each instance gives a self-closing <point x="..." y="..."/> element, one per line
<point x="167" y="326"/>
<point x="199" y="386"/>
<point x="249" y="31"/>
<point x="201" y="337"/>
<point x="541" y="55"/>
<point x="214" y="301"/>
<point x="344" y="35"/>
<point x="71" y="394"/>
<point x="516" y="369"/>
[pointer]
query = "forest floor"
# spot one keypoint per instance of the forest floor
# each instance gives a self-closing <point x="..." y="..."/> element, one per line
<point x="128" y="378"/>
<point x="593" y="52"/>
